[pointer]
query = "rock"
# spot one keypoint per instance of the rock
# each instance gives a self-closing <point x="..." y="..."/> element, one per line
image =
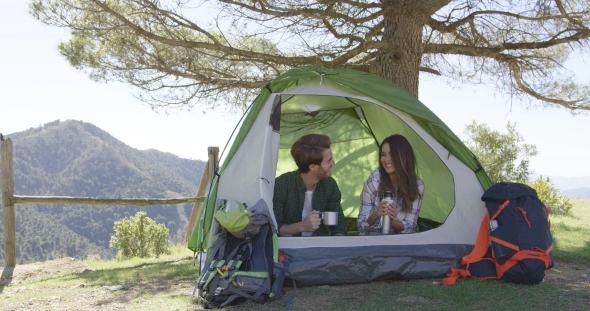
<point x="117" y="287"/>
<point x="113" y="288"/>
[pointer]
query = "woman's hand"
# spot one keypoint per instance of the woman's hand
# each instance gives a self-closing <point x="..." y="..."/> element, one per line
<point x="385" y="208"/>
<point x="391" y="211"/>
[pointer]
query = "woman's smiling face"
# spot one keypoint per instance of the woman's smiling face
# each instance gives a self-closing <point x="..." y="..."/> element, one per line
<point x="386" y="159"/>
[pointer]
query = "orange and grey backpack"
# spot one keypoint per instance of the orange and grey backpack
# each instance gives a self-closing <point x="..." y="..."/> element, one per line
<point x="514" y="243"/>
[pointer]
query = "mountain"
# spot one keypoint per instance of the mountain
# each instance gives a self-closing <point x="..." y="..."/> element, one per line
<point x="577" y="193"/>
<point x="573" y="187"/>
<point x="73" y="158"/>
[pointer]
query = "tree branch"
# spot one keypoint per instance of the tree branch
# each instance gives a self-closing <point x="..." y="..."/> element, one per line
<point x="495" y="50"/>
<point x="580" y="104"/>
<point x="209" y="46"/>
<point x="444" y="28"/>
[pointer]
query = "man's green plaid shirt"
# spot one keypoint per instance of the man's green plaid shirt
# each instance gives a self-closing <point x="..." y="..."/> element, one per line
<point x="289" y="195"/>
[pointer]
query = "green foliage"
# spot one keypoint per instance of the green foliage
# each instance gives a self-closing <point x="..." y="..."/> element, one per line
<point x="139" y="236"/>
<point x="550" y="196"/>
<point x="41" y="237"/>
<point x="505" y="157"/>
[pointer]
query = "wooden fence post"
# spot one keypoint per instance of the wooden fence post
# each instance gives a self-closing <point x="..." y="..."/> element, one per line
<point x="212" y="163"/>
<point x="7" y="205"/>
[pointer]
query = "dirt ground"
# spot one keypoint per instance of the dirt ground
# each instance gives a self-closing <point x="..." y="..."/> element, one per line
<point x="566" y="275"/>
<point x="31" y="272"/>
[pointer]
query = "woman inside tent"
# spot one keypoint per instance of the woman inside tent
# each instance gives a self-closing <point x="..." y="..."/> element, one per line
<point x="396" y="173"/>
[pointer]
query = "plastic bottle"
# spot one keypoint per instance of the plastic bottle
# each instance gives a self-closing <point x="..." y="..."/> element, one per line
<point x="385" y="220"/>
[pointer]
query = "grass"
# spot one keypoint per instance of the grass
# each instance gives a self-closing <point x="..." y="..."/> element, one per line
<point x="465" y="295"/>
<point x="163" y="283"/>
<point x="166" y="283"/>
<point x="571" y="234"/>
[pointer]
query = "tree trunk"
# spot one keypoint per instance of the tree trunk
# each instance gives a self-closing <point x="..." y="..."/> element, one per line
<point x="403" y="25"/>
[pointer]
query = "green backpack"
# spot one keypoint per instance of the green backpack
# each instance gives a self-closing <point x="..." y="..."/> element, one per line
<point x="242" y="263"/>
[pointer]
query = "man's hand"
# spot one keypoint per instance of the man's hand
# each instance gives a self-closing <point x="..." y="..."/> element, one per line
<point x="312" y="222"/>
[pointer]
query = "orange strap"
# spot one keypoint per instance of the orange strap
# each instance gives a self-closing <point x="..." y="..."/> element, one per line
<point x="523" y="212"/>
<point x="481" y="244"/>
<point x="525" y="254"/>
<point x="500" y="209"/>
<point x="502" y="242"/>
<point x="549" y="249"/>
<point x="454" y="275"/>
<point x="479" y="250"/>
<point x="548" y="212"/>
<point x="547" y="208"/>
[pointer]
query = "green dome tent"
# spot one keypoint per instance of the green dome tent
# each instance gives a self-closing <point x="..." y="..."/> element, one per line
<point x="357" y="110"/>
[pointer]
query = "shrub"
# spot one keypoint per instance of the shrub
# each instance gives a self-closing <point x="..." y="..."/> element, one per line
<point x="139" y="236"/>
<point x="550" y="196"/>
<point x="505" y="157"/>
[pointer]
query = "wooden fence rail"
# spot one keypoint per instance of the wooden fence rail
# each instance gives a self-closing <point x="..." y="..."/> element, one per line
<point x="9" y="199"/>
<point x="18" y="199"/>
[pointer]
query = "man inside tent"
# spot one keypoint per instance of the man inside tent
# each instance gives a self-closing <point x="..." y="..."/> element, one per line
<point x="300" y="195"/>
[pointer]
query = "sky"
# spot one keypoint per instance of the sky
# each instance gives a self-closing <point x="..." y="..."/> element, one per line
<point x="37" y="86"/>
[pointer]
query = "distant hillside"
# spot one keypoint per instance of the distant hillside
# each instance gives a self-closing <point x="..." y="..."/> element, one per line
<point x="566" y="183"/>
<point x="577" y="193"/>
<point x="73" y="158"/>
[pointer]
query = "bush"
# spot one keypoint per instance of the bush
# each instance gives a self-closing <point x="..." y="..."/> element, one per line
<point x="139" y="236"/>
<point x="550" y="196"/>
<point x="505" y="157"/>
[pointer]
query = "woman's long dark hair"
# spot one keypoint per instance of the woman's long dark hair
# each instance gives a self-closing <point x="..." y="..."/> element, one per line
<point x="404" y="163"/>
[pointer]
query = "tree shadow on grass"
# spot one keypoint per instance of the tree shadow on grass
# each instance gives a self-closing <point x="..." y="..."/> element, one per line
<point x="6" y="277"/>
<point x="140" y="272"/>
<point x="580" y="253"/>
<point x="147" y="279"/>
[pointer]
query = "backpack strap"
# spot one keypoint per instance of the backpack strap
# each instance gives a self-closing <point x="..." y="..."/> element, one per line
<point x="238" y="293"/>
<point x="234" y="260"/>
<point x="524" y="254"/>
<point x="478" y="252"/>
<point x="476" y="265"/>
<point x="210" y="274"/>
<point x="207" y="275"/>
<point x="289" y="302"/>
<point x="500" y="209"/>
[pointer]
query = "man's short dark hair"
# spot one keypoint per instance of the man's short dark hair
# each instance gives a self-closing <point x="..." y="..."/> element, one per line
<point x="308" y="149"/>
